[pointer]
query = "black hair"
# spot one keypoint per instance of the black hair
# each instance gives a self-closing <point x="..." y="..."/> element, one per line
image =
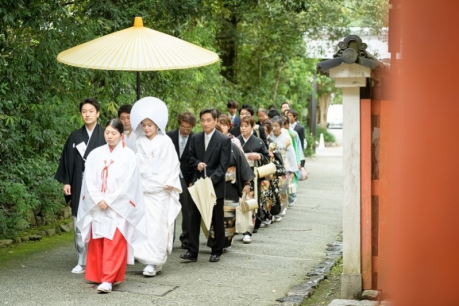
<point x="116" y="124"/>
<point x="212" y="111"/>
<point x="293" y="112"/>
<point x="91" y="101"/>
<point x="124" y="109"/>
<point x="232" y="104"/>
<point x="247" y="108"/>
<point x="272" y="106"/>
<point x="286" y="103"/>
<point x="273" y="113"/>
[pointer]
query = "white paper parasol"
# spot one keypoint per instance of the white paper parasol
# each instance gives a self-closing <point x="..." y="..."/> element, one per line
<point x="204" y="197"/>
<point x="137" y="48"/>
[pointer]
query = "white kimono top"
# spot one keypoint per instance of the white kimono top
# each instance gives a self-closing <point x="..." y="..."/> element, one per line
<point x="284" y="144"/>
<point x="112" y="176"/>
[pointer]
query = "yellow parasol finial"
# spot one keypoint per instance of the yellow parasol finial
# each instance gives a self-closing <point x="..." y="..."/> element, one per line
<point x="138" y="22"/>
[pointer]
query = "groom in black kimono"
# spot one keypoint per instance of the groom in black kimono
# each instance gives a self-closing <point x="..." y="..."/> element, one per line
<point x="71" y="166"/>
<point x="211" y="150"/>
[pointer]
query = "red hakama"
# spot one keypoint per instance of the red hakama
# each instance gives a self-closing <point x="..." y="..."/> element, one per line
<point x="107" y="259"/>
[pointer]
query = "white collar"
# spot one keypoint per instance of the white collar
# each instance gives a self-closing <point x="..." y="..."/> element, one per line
<point x="90" y="132"/>
<point x="245" y="140"/>
<point x="210" y="134"/>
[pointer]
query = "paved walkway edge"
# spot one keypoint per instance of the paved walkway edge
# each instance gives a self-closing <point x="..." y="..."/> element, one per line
<point x="299" y="293"/>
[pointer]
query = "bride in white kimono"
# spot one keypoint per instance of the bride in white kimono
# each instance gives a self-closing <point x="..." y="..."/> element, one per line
<point x="111" y="214"/>
<point x="159" y="171"/>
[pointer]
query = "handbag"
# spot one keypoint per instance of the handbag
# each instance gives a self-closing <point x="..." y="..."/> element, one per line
<point x="248" y="204"/>
<point x="266" y="170"/>
<point x="244" y="221"/>
<point x="304" y="174"/>
<point x="291" y="186"/>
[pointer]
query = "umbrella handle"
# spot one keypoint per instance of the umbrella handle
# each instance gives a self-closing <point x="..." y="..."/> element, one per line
<point x="205" y="174"/>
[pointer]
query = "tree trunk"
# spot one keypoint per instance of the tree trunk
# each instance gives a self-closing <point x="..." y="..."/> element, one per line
<point x="227" y="43"/>
<point x="324" y="102"/>
<point x="277" y="80"/>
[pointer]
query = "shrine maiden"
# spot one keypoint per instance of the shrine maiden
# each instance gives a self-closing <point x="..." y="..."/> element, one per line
<point x="111" y="211"/>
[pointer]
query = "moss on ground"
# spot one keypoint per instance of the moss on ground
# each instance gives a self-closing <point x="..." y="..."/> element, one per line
<point x="329" y="289"/>
<point x="24" y="249"/>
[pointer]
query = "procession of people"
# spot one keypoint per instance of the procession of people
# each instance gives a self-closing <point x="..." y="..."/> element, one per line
<point x="127" y="183"/>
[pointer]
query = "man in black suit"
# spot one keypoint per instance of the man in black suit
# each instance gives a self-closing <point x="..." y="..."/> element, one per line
<point x="232" y="108"/>
<point x="180" y="138"/>
<point x="211" y="150"/>
<point x="258" y="130"/>
<point x="293" y="116"/>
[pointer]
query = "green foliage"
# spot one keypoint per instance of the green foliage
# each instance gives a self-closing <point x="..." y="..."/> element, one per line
<point x="328" y="137"/>
<point x="371" y="14"/>
<point x="298" y="87"/>
<point x="29" y="185"/>
<point x="309" y="151"/>
<point x="324" y="85"/>
<point x="8" y="221"/>
<point x="16" y="195"/>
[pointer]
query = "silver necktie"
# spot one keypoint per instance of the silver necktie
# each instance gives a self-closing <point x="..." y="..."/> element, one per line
<point x="206" y="142"/>
<point x="182" y="145"/>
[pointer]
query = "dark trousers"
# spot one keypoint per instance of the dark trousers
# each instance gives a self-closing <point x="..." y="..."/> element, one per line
<point x="195" y="228"/>
<point x="185" y="200"/>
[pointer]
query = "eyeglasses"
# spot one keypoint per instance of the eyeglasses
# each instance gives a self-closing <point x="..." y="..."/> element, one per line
<point x="186" y="128"/>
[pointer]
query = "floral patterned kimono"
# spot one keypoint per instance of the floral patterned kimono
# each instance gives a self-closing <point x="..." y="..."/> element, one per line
<point x="269" y="196"/>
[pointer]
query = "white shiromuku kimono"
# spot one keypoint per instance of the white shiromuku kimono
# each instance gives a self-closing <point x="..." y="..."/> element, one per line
<point x="159" y="166"/>
<point x="113" y="177"/>
<point x="284" y="144"/>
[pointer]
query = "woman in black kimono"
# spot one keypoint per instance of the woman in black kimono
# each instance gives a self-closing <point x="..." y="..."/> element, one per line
<point x="257" y="155"/>
<point x="269" y="197"/>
